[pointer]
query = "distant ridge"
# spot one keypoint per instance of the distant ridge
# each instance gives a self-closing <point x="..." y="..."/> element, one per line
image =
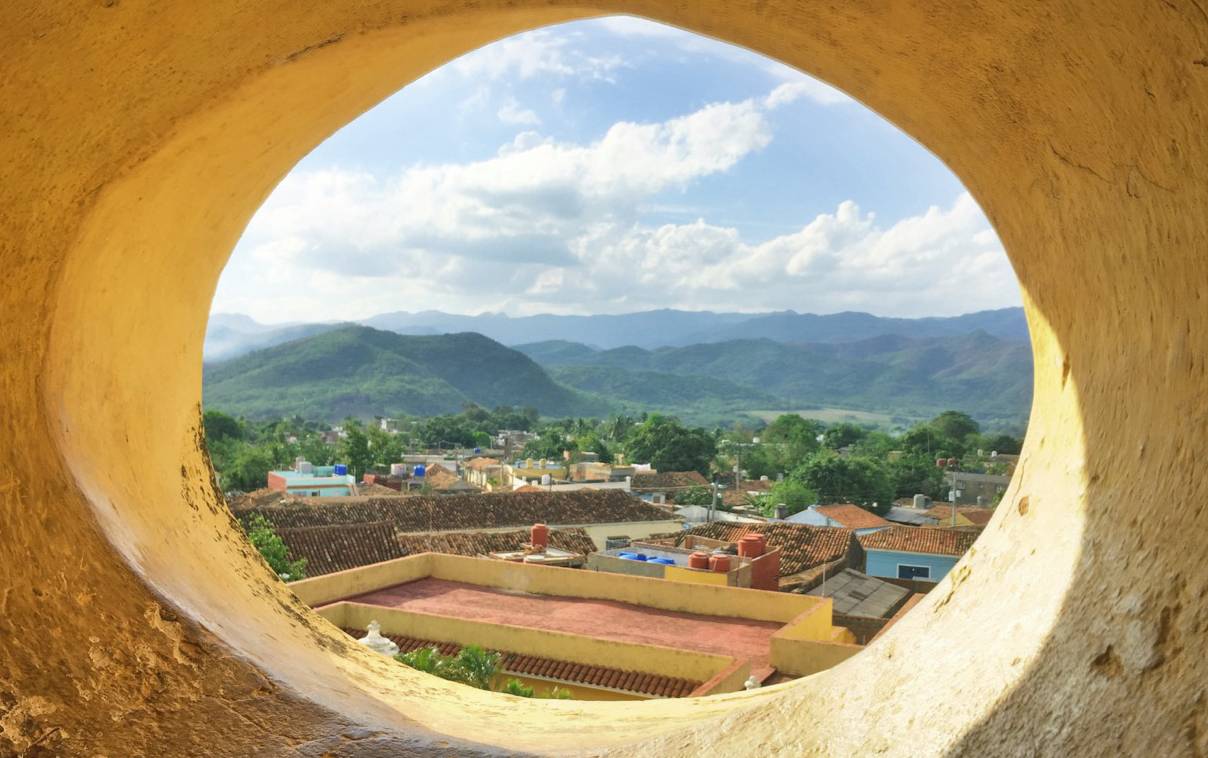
<point x="231" y="335"/>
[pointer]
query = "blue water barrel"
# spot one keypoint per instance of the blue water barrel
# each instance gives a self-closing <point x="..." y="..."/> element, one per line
<point x="418" y="471"/>
<point x="341" y="469"/>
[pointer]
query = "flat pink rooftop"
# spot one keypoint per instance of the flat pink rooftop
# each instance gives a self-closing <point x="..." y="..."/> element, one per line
<point x="603" y="619"/>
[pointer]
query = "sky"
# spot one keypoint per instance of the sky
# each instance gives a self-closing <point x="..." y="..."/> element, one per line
<point x="611" y="166"/>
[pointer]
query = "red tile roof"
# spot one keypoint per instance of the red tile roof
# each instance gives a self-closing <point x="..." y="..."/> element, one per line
<point x="921" y="539"/>
<point x="668" y="480"/>
<point x="344" y="546"/>
<point x="975" y="515"/>
<point x="491" y="510"/>
<point x="801" y="546"/>
<point x="851" y="516"/>
<point x="573" y="540"/>
<point x="637" y="682"/>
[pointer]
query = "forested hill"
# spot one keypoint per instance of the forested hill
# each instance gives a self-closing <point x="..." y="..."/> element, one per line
<point x="988" y="377"/>
<point x="359" y="371"/>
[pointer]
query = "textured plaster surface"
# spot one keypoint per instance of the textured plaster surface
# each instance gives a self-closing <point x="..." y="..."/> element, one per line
<point x="137" y="140"/>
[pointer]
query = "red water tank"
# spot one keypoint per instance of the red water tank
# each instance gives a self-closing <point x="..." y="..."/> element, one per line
<point x="719" y="563"/>
<point x="751" y="546"/>
<point x="698" y="560"/>
<point x="539" y="536"/>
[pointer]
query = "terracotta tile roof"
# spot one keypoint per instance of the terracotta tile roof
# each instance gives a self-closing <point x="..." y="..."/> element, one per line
<point x="653" y="685"/>
<point x="667" y="480"/>
<point x="851" y="516"/>
<point x="492" y="510"/>
<point x="258" y="498"/>
<point x="482" y="463"/>
<point x="801" y="546"/>
<point x="921" y="539"/>
<point x="345" y="546"/>
<point x="377" y="490"/>
<point x="574" y="540"/>
<point x="437" y="477"/>
<point x="975" y="515"/>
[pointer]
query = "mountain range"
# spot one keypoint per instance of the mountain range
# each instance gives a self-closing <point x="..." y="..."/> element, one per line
<point x="349" y="369"/>
<point x="231" y="335"/>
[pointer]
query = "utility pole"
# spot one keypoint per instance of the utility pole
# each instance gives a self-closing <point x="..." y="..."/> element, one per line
<point x="713" y="505"/>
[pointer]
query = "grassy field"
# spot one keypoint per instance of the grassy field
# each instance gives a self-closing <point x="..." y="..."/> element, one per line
<point x="838" y="415"/>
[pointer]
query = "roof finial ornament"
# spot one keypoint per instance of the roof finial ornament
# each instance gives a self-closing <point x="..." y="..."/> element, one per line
<point x="376" y="642"/>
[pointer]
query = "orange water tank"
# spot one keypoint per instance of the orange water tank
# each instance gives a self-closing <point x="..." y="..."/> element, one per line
<point x="698" y="560"/>
<point x="719" y="563"/>
<point x="539" y="536"/>
<point x="751" y="546"/>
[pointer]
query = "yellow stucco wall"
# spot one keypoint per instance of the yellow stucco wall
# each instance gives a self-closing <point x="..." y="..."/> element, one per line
<point x="690" y="576"/>
<point x="140" y="137"/>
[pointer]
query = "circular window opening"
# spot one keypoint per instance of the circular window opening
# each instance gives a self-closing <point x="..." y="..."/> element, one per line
<point x="607" y="303"/>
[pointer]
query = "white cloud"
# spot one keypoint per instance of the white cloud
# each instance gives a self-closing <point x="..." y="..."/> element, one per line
<point x="551" y="226"/>
<point x="512" y="113"/>
<point x="532" y="54"/>
<point x="820" y="93"/>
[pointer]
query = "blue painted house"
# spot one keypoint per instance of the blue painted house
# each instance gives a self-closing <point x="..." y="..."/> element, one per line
<point x="911" y="552"/>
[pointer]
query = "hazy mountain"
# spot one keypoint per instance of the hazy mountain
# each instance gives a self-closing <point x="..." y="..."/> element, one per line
<point x="355" y="370"/>
<point x="231" y="335"/>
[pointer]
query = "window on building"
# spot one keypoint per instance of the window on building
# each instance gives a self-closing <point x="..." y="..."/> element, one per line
<point x="913" y="572"/>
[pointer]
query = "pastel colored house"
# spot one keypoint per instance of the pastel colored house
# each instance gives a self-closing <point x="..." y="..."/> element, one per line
<point x="919" y="553"/>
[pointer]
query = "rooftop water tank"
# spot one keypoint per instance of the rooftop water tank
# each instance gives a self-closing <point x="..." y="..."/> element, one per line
<point x="698" y="560"/>
<point x="539" y="536"/>
<point x="398" y="469"/>
<point x="418" y="472"/>
<point x="477" y="450"/>
<point x="719" y="563"/>
<point x="341" y="469"/>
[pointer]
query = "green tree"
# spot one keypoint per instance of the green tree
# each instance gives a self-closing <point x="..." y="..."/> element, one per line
<point x="842" y="435"/>
<point x="695" y="496"/>
<point x="248" y="468"/>
<point x="853" y="479"/>
<point x="1001" y="443"/>
<point x="354" y="448"/>
<point x="271" y="547"/>
<point x="955" y="425"/>
<point x="219" y="426"/>
<point x="916" y="474"/>
<point x="791" y="429"/>
<point x="795" y="495"/>
<point x="669" y="446"/>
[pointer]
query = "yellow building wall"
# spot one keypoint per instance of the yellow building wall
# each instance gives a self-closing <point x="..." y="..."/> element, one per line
<point x="732" y="602"/>
<point x="690" y="576"/>
<point x="577" y="691"/>
<point x="343" y="584"/>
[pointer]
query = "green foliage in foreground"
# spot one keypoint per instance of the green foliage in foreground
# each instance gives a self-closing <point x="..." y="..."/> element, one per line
<point x="472" y="666"/>
<point x="260" y="533"/>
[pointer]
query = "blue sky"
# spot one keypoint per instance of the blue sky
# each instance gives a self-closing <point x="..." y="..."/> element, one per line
<point x="609" y="166"/>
